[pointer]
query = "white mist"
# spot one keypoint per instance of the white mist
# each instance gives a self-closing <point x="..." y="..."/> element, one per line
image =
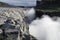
<point x="45" y="29"/>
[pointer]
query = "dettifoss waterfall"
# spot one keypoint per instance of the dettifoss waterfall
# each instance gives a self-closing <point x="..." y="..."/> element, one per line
<point x="21" y="24"/>
<point x="45" y="28"/>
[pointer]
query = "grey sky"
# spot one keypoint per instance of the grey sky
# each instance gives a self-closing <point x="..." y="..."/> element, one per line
<point x="20" y="2"/>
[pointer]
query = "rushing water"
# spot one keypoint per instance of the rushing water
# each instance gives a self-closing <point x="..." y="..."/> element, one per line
<point x="46" y="28"/>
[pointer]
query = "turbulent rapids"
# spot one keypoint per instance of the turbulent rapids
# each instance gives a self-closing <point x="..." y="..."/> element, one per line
<point x="24" y="24"/>
<point x="45" y="26"/>
<point x="12" y="25"/>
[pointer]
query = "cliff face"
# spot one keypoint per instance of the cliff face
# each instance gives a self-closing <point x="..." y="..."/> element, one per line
<point x="2" y="4"/>
<point x="48" y="4"/>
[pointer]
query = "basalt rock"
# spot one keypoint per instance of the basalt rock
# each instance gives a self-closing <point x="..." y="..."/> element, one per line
<point x="50" y="13"/>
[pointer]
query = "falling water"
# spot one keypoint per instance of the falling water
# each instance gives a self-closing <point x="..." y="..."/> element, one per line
<point x="45" y="29"/>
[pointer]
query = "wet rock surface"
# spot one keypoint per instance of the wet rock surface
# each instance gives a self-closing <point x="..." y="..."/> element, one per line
<point x="50" y="13"/>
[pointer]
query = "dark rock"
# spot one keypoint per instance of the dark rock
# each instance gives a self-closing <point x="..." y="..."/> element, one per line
<point x="51" y="14"/>
<point x="45" y="4"/>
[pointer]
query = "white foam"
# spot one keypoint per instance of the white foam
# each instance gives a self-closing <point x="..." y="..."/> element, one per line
<point x="30" y="14"/>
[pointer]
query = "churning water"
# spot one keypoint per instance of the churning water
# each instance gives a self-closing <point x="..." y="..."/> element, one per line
<point x="45" y="28"/>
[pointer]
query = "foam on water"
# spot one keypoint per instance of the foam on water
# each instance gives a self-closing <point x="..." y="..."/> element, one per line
<point x="30" y="14"/>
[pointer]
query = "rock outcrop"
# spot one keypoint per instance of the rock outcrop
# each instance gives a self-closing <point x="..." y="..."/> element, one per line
<point x="3" y="4"/>
<point x="45" y="4"/>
